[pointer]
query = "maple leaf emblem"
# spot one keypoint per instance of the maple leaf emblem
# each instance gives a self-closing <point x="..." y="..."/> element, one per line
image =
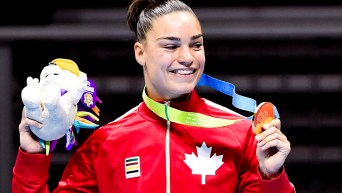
<point x="203" y="164"/>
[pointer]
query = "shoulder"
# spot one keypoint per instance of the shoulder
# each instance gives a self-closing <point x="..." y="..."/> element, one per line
<point x="96" y="140"/>
<point x="219" y="110"/>
<point x="242" y="130"/>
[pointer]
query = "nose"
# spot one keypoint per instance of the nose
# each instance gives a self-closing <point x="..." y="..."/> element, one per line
<point x="185" y="56"/>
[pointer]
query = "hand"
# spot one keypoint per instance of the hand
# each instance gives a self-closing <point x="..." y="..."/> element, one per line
<point x="272" y="149"/>
<point x="28" y="142"/>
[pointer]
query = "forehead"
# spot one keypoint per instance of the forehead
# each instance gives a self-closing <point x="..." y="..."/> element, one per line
<point x="176" y="24"/>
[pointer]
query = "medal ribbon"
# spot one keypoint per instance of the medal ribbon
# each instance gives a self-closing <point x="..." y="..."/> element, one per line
<point x="200" y="120"/>
<point x="238" y="101"/>
<point x="184" y="117"/>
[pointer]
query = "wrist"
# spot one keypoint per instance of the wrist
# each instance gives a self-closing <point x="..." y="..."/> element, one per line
<point x="269" y="176"/>
<point x="24" y="150"/>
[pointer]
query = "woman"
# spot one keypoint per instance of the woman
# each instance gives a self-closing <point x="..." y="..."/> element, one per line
<point x="148" y="149"/>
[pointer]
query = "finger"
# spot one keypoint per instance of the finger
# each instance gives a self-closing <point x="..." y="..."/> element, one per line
<point x="273" y="143"/>
<point x="274" y="123"/>
<point x="33" y="122"/>
<point x="270" y="134"/>
<point x="277" y="143"/>
<point x="23" y="114"/>
<point x="26" y="123"/>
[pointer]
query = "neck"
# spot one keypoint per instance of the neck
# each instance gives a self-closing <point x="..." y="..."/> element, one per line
<point x="183" y="97"/>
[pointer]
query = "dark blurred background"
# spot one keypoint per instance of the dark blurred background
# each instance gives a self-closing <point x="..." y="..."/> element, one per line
<point x="287" y="53"/>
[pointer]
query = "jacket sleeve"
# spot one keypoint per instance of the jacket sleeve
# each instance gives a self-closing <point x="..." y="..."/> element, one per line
<point x="78" y="175"/>
<point x="250" y="177"/>
<point x="281" y="184"/>
<point x="30" y="173"/>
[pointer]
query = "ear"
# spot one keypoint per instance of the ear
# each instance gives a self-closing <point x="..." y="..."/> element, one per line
<point x="139" y="53"/>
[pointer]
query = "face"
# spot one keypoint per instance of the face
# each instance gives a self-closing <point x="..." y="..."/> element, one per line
<point x="172" y="56"/>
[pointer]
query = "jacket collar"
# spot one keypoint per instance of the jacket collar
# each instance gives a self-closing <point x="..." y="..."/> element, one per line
<point x="193" y="104"/>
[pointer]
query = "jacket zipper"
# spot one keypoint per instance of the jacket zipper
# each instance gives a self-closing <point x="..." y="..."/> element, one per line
<point x="167" y="151"/>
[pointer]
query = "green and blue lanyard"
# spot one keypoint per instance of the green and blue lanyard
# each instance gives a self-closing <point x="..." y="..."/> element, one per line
<point x="200" y="120"/>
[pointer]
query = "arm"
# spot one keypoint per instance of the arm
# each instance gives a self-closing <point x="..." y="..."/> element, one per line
<point x="30" y="173"/>
<point x="272" y="151"/>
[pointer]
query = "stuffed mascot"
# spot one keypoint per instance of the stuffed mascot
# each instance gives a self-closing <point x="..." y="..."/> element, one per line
<point x="61" y="100"/>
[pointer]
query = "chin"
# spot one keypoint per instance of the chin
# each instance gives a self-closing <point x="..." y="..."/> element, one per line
<point x="185" y="89"/>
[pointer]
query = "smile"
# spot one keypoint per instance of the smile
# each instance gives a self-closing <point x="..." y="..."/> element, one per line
<point x="183" y="72"/>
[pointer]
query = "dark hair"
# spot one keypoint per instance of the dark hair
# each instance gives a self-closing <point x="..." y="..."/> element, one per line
<point x="142" y="12"/>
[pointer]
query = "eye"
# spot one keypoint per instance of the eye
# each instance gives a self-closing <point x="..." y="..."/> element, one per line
<point x="170" y="46"/>
<point x="55" y="74"/>
<point x="197" y="45"/>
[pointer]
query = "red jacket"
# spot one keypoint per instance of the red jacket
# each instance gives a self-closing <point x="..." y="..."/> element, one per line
<point x="137" y="153"/>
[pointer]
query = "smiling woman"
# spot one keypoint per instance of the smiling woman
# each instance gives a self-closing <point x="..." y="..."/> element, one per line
<point x="147" y="149"/>
<point x="172" y="59"/>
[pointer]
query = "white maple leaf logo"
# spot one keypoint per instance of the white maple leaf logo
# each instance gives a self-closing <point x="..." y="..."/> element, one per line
<point x="203" y="164"/>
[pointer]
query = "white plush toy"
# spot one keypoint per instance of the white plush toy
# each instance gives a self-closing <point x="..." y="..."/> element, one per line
<point x="54" y="99"/>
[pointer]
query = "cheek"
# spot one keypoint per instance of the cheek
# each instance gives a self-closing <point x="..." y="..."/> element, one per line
<point x="155" y="56"/>
<point x="200" y="58"/>
<point x="162" y="61"/>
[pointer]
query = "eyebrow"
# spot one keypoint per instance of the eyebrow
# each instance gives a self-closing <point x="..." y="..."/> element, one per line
<point x="178" y="39"/>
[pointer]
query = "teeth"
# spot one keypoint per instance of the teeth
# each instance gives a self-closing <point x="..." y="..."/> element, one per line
<point x="184" y="72"/>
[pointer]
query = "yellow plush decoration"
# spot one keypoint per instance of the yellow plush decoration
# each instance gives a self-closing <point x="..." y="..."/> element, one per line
<point x="66" y="64"/>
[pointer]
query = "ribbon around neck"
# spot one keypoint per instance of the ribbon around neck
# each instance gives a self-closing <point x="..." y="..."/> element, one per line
<point x="201" y="120"/>
<point x="184" y="117"/>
